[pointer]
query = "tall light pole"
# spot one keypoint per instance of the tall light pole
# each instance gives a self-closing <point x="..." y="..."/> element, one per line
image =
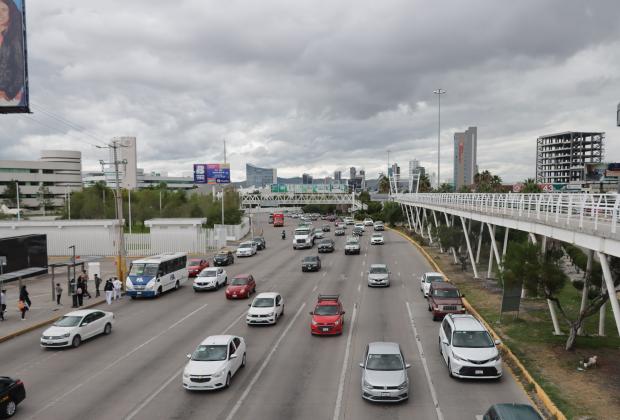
<point x="439" y="92"/>
<point x="18" y="210"/>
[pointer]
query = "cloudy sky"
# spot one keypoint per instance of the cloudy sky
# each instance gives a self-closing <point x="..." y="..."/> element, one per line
<point x="316" y="85"/>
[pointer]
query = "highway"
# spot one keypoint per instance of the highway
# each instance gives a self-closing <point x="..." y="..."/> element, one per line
<point x="135" y="373"/>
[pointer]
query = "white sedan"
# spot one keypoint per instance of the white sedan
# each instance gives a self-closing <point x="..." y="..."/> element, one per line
<point x="211" y="278"/>
<point x="246" y="249"/>
<point x="377" y="239"/>
<point x="77" y="326"/>
<point x="265" y="309"/>
<point x="214" y="362"/>
<point x="427" y="279"/>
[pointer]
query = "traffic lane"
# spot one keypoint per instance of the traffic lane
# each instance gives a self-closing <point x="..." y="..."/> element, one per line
<point x="302" y="380"/>
<point x="295" y="287"/>
<point x="383" y="317"/>
<point x="457" y="398"/>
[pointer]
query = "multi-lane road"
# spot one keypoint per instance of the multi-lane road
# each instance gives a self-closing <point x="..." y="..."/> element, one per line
<point x="135" y="373"/>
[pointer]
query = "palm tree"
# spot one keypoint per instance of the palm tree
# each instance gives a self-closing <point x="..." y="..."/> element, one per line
<point x="384" y="185"/>
<point x="531" y="187"/>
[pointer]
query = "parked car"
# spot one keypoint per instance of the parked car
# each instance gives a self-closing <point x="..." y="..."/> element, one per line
<point x="211" y="278"/>
<point x="444" y="298"/>
<point x="328" y="316"/>
<point x="195" y="266"/>
<point x="511" y="412"/>
<point x="339" y="232"/>
<point x="352" y="245"/>
<point x="77" y="326"/>
<point x="368" y="222"/>
<point x="241" y="286"/>
<point x="468" y="349"/>
<point x="246" y="249"/>
<point x="377" y="239"/>
<point x="266" y="308"/>
<point x="378" y="275"/>
<point x="326" y="245"/>
<point x="311" y="263"/>
<point x="12" y="392"/>
<point x="384" y="373"/>
<point x="427" y="279"/>
<point x="223" y="257"/>
<point x="260" y="243"/>
<point x="326" y="228"/>
<point x="214" y="362"/>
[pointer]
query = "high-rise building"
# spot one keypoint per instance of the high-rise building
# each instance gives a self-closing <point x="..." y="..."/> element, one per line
<point x="394" y="172"/>
<point x="352" y="172"/>
<point x="465" y="157"/>
<point x="306" y="179"/>
<point x="362" y="176"/>
<point x="260" y="177"/>
<point x="337" y="177"/>
<point x="561" y="158"/>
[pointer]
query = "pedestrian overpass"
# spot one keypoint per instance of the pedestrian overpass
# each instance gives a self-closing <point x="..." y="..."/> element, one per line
<point x="589" y="221"/>
<point x="273" y="199"/>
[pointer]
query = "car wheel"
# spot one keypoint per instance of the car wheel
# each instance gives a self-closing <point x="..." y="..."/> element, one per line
<point x="243" y="361"/>
<point x="429" y="308"/>
<point x="177" y="285"/>
<point x="77" y="340"/>
<point x="9" y="408"/>
<point x="450" y="369"/>
<point x="227" y="381"/>
<point x="282" y="313"/>
<point x="440" y="351"/>
<point x="159" y="291"/>
<point x="107" y="329"/>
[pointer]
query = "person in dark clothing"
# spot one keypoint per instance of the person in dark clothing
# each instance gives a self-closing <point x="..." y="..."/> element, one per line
<point x="2" y="304"/>
<point x="58" y="290"/>
<point x="109" y="290"/>
<point x="80" y="291"/>
<point x="24" y="296"/>
<point x="12" y="74"/>
<point x="97" y="285"/>
<point x="85" y="285"/>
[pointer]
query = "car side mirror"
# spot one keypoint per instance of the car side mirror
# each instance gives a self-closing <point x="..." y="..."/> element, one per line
<point x="462" y="295"/>
<point x="361" y="364"/>
<point x="279" y="304"/>
<point x="83" y="324"/>
<point x="249" y="304"/>
<point x="343" y="312"/>
<point x="232" y="356"/>
<point x="445" y="341"/>
<point x="311" y="313"/>
<point x="189" y="356"/>
<point x="407" y="365"/>
<point x="498" y="342"/>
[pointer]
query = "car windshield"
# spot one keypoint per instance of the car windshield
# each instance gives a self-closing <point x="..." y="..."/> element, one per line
<point x="263" y="303"/>
<point x="222" y="254"/>
<point x="140" y="269"/>
<point x="207" y="273"/>
<point x="309" y="259"/>
<point x="326" y="310"/>
<point x="239" y="281"/>
<point x="472" y="339"/>
<point x="326" y="242"/>
<point x="245" y="245"/>
<point x="194" y="263"/>
<point x="384" y="362"/>
<point x="377" y="235"/>
<point x="430" y="279"/>
<point x="68" y="321"/>
<point x="302" y="231"/>
<point x="210" y="353"/>
<point x="446" y="293"/>
<point x="378" y="270"/>
<point x="351" y="242"/>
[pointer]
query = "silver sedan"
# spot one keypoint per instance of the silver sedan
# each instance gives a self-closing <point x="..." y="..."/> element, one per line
<point x="384" y="375"/>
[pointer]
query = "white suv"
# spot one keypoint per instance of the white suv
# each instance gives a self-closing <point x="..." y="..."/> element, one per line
<point x="468" y="349"/>
<point x="266" y="308"/>
<point x="211" y="278"/>
<point x="368" y="222"/>
<point x="377" y="239"/>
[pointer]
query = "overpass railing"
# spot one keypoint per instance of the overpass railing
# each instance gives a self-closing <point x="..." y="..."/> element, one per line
<point x="598" y="212"/>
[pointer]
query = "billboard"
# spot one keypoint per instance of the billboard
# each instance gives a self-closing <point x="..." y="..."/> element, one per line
<point x="310" y="188"/>
<point x="211" y="173"/>
<point x="13" y="63"/>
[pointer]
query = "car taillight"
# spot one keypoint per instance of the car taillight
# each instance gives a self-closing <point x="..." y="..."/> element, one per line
<point x="19" y="382"/>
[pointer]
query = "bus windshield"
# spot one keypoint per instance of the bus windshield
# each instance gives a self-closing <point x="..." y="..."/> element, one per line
<point x="142" y="269"/>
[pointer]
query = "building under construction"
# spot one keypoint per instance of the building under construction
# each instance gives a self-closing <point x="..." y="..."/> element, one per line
<point x="561" y="158"/>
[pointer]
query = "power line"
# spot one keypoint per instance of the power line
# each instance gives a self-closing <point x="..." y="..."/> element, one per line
<point x="30" y="117"/>
<point x="68" y="123"/>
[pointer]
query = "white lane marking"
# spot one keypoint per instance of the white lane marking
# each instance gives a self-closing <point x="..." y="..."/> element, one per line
<point x="345" y="364"/>
<point x="399" y="274"/>
<point x="324" y="274"/>
<point x="396" y="262"/>
<point x="114" y="363"/>
<point x="359" y="288"/>
<point x="29" y="365"/>
<point x="479" y="417"/>
<point x="429" y="381"/>
<point x="361" y="274"/>
<point x="315" y="287"/>
<point x="263" y="366"/>
<point x="176" y="375"/>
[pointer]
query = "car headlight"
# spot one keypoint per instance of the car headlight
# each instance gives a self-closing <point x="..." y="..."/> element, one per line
<point x="337" y="322"/>
<point x="458" y="358"/>
<point x="404" y="385"/>
<point x="271" y="314"/>
<point x="314" y="322"/>
<point x="150" y="285"/>
<point x="185" y="375"/>
<point x="67" y="335"/>
<point x="366" y="384"/>
<point x="496" y="358"/>
<point x="219" y="373"/>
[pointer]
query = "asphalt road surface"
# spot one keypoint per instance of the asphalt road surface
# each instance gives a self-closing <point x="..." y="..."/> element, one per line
<point x="135" y="373"/>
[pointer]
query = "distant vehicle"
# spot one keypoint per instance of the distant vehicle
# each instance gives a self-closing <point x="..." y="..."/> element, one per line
<point x="427" y="279"/>
<point x="378" y="275"/>
<point x="241" y="286"/>
<point x="349" y="221"/>
<point x="377" y="239"/>
<point x="266" y="308"/>
<point x="271" y="218"/>
<point x="152" y="276"/>
<point x="378" y="226"/>
<point x="260" y="243"/>
<point x="326" y="228"/>
<point x="326" y="245"/>
<point x="211" y="278"/>
<point x="195" y="266"/>
<point x="223" y="257"/>
<point x="12" y="392"/>
<point x="368" y="222"/>
<point x="358" y="231"/>
<point x="330" y="218"/>
<point x="352" y="245"/>
<point x="468" y="349"/>
<point x="318" y="233"/>
<point x="360" y="225"/>
<point x="384" y="373"/>
<point x="328" y="316"/>
<point x="214" y="362"/>
<point x="511" y="412"/>
<point x="340" y="225"/>
<point x="444" y="298"/>
<point x="77" y="326"/>
<point x="339" y="232"/>
<point x="303" y="238"/>
<point x="311" y="263"/>
<point x="246" y="249"/>
<point x="278" y="220"/>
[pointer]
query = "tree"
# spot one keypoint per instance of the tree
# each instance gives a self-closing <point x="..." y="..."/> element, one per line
<point x="44" y="198"/>
<point x="464" y="189"/>
<point x="531" y="187"/>
<point x="486" y="182"/>
<point x="450" y="237"/>
<point x="445" y="188"/>
<point x="10" y="193"/>
<point x="383" y="185"/>
<point x="425" y="184"/>
<point x="392" y="213"/>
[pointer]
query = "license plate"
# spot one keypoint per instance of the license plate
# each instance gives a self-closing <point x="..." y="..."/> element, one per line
<point x="235" y="295"/>
<point x="385" y="394"/>
<point x="325" y="329"/>
<point x="479" y="372"/>
<point x="138" y="293"/>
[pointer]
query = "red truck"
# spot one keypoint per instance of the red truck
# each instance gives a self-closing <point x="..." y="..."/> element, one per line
<point x="278" y="220"/>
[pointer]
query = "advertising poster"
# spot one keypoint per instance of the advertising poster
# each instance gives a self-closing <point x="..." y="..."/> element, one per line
<point x="218" y="173"/>
<point x="13" y="64"/>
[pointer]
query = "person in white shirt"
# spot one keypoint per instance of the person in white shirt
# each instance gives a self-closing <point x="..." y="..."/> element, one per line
<point x="117" y="288"/>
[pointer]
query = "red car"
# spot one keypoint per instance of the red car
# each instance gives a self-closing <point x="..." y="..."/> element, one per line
<point x="328" y="316"/>
<point x="195" y="266"/>
<point x="241" y="286"/>
<point x="444" y="298"/>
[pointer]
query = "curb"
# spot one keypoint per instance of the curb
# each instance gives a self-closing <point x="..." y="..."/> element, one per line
<point x="43" y="323"/>
<point x="537" y="389"/>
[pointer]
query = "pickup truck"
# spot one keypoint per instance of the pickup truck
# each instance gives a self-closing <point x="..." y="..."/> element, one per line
<point x="303" y="238"/>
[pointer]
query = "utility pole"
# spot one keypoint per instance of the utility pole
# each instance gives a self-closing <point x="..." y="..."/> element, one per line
<point x="18" y="210"/>
<point x="439" y="92"/>
<point x="223" y="188"/>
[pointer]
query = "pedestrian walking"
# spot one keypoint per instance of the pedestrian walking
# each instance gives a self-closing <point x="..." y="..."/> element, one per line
<point x="80" y="291"/>
<point x="25" y="297"/>
<point x="108" y="288"/>
<point x="97" y="284"/>
<point x="58" y="293"/>
<point x="23" y="307"/>
<point x="85" y="288"/>
<point x="2" y="304"/>
<point x="117" y="288"/>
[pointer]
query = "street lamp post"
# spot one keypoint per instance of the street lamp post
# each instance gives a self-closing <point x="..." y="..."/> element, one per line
<point x="439" y="92"/>
<point x="18" y="210"/>
<point x="73" y="282"/>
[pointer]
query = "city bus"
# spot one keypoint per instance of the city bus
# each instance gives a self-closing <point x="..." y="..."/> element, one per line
<point x="150" y="277"/>
<point x="278" y="219"/>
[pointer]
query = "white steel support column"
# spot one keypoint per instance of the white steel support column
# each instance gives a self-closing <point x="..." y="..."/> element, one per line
<point x="430" y="237"/>
<point x="471" y="253"/>
<point x="407" y="213"/>
<point x="586" y="286"/>
<point x="423" y="220"/>
<point x="550" y="303"/>
<point x="505" y="243"/>
<point x="490" y="269"/>
<point x="449" y="223"/>
<point x="420" y="228"/>
<point x="494" y="246"/>
<point x="479" y="243"/>
<point x="609" y="282"/>
<point x="602" y="312"/>
<point x="437" y="227"/>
